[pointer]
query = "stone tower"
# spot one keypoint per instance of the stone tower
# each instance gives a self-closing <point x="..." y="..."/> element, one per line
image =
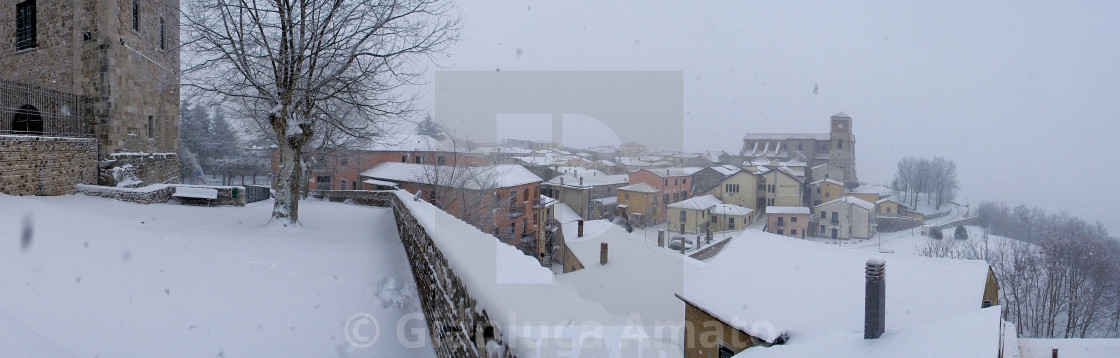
<point x="122" y="56"/>
<point x="843" y="152"/>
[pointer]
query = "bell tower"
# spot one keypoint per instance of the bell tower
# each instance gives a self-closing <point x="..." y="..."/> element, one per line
<point x="843" y="148"/>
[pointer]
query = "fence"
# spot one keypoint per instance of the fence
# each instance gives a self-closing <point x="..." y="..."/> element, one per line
<point x="31" y="110"/>
<point x="255" y="193"/>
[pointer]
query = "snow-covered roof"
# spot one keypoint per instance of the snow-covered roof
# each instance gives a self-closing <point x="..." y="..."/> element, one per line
<point x="379" y="182"/>
<point x="785" y="136"/>
<point x="882" y="190"/>
<point x="702" y="202"/>
<point x="620" y="285"/>
<point x="730" y="209"/>
<point x="391" y="142"/>
<point x="565" y="213"/>
<point x="853" y="201"/>
<point x="589" y="179"/>
<point x="674" y="172"/>
<point x="726" y="169"/>
<point x="827" y="180"/>
<point x="500" y="176"/>
<point x="841" y="115"/>
<point x="606" y="162"/>
<point x="883" y="200"/>
<point x="1070" y="347"/>
<point x="970" y="334"/>
<point x="640" y="187"/>
<point x="809" y="291"/>
<point x="790" y="210"/>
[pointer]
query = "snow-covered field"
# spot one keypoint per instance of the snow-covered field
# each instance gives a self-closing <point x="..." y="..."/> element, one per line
<point x="105" y="278"/>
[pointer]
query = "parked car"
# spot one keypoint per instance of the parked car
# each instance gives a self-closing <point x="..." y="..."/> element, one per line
<point x="676" y="242"/>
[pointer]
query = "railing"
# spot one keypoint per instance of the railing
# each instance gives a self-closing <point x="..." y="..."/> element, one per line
<point x="255" y="193"/>
<point x="834" y="222"/>
<point x="31" y="110"/>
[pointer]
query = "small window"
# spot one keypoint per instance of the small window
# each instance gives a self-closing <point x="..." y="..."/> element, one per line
<point x="136" y="15"/>
<point x="626" y="196"/>
<point x="714" y="220"/>
<point x="781" y="232"/>
<point x="676" y="197"/>
<point x="419" y="159"/>
<point x="840" y="144"/>
<point x="793" y="232"/>
<point x="824" y="215"/>
<point x="684" y="181"/>
<point x="793" y="219"/>
<point x="441" y="160"/>
<point x="800" y="146"/>
<point x="25" y="25"/>
<point x="666" y="182"/>
<point x="344" y="161"/>
<point x="404" y="158"/>
<point x="151" y="127"/>
<point x="684" y="216"/>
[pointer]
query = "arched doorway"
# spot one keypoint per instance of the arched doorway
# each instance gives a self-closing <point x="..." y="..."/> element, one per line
<point x="27" y="121"/>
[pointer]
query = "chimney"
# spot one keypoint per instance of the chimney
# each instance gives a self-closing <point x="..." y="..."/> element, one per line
<point x="603" y="253"/>
<point x="579" y="231"/>
<point x="580" y="181"/>
<point x="875" y="299"/>
<point x="561" y="181"/>
<point x="661" y="238"/>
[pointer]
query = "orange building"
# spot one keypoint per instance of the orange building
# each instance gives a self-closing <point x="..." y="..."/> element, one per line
<point x="673" y="183"/>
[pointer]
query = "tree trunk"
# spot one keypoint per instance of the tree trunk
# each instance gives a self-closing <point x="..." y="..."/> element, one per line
<point x="286" y="204"/>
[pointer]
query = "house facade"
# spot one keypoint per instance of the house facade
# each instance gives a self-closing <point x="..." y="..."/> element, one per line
<point x="581" y="189"/>
<point x="742" y="188"/>
<point x="340" y="169"/>
<point x="846" y="218"/>
<point x="825" y="190"/>
<point x="729" y="217"/>
<point x="691" y="216"/>
<point x="788" y="221"/>
<point x="640" y="203"/>
<point x="503" y="200"/>
<point x="673" y="183"/>
<point x="781" y="188"/>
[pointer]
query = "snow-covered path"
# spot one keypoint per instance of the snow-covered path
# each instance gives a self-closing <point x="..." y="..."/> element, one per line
<point x="112" y="279"/>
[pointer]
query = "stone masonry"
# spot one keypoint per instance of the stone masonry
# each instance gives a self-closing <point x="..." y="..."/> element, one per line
<point x="456" y="324"/>
<point x="34" y="165"/>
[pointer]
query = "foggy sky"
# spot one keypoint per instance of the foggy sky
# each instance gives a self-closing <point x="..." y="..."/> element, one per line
<point x="1023" y="95"/>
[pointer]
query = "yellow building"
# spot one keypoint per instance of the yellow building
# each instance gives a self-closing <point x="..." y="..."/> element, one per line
<point x="889" y="207"/>
<point x="691" y="215"/>
<point x="825" y="190"/>
<point x="728" y="217"/>
<point x="739" y="189"/>
<point x="782" y="188"/>
<point x="639" y="202"/>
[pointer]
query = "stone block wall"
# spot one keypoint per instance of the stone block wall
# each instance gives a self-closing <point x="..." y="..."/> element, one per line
<point x="458" y="327"/>
<point x="146" y="195"/>
<point x="139" y="169"/>
<point x="33" y="165"/>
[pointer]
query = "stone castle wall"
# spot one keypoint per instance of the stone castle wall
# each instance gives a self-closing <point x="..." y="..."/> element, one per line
<point x="458" y="327"/>
<point x="31" y="165"/>
<point x="139" y="169"/>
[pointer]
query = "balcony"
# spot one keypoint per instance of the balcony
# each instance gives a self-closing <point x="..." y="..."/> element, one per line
<point x="834" y="222"/>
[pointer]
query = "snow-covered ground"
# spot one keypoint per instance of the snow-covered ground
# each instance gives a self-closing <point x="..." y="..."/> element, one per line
<point x="105" y="278"/>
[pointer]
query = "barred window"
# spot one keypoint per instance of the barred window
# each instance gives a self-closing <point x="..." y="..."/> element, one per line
<point x="25" y="25"/>
<point x="136" y="15"/>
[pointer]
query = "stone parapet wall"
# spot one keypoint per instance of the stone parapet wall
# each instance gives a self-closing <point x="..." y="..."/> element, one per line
<point x="139" y="169"/>
<point x="34" y="165"/>
<point x="161" y="193"/>
<point x="458" y="327"/>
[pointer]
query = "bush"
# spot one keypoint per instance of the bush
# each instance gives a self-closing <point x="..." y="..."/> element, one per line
<point x="960" y="233"/>
<point x="935" y="232"/>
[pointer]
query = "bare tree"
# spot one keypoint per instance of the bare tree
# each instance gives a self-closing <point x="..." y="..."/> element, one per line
<point x="299" y="67"/>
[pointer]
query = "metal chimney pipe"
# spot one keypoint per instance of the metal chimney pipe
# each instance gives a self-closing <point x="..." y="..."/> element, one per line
<point x="603" y="253"/>
<point x="875" y="299"/>
<point x="579" y="231"/>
